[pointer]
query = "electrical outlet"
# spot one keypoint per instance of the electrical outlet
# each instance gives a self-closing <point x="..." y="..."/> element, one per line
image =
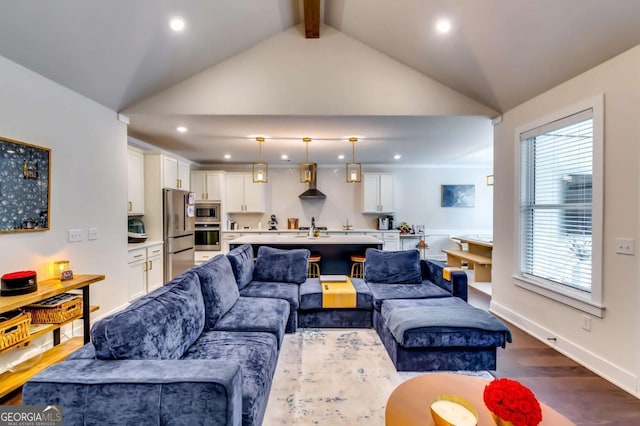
<point x="93" y="233"/>
<point x="586" y="323"/>
<point x="624" y="246"/>
<point x="75" y="235"/>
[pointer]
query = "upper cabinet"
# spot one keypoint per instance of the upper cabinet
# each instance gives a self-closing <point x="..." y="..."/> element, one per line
<point x="379" y="193"/>
<point x="207" y="185"/>
<point x="243" y="195"/>
<point x="175" y="173"/>
<point x="135" y="181"/>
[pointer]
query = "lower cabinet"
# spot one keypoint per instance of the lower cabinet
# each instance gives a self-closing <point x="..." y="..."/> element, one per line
<point x="145" y="270"/>
<point x="204" y="256"/>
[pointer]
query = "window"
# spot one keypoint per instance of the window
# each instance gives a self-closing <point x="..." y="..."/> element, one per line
<point x="560" y="215"/>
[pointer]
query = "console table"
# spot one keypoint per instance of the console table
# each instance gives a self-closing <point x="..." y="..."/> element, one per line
<point x="409" y="403"/>
<point x="10" y="381"/>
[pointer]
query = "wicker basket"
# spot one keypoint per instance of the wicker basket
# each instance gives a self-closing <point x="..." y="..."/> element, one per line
<point x="57" y="309"/>
<point x="14" y="330"/>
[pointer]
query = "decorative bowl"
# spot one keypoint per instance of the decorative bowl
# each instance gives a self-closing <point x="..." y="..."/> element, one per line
<point x="453" y="410"/>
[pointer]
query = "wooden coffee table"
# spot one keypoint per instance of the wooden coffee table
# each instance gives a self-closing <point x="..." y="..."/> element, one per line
<point x="409" y="403"/>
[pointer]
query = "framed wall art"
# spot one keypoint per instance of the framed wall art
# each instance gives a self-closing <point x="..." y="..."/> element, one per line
<point x="25" y="194"/>
<point x="458" y="195"/>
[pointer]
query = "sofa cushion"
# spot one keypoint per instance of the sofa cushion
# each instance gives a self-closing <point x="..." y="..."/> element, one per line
<point x="257" y="355"/>
<point x="160" y="325"/>
<point x="219" y="288"/>
<point x="256" y="314"/>
<point x="393" y="267"/>
<point x="384" y="291"/>
<point x="241" y="259"/>
<point x="287" y="291"/>
<point x="311" y="294"/>
<point x="275" y="265"/>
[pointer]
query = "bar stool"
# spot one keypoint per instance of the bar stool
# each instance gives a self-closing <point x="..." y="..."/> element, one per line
<point x="314" y="266"/>
<point x="357" y="266"/>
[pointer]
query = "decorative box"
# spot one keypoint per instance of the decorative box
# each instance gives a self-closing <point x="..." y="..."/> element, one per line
<point x="21" y="282"/>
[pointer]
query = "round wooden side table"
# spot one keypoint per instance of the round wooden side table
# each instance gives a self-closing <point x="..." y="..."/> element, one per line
<point x="409" y="403"/>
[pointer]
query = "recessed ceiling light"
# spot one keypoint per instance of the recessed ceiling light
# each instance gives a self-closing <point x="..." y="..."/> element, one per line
<point x="284" y="156"/>
<point x="227" y="156"/>
<point x="181" y="129"/>
<point x="397" y="157"/>
<point x="443" y="26"/>
<point x="176" y="24"/>
<point x="341" y="157"/>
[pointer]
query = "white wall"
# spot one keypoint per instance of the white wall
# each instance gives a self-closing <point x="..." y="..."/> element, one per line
<point x="612" y="346"/>
<point x="88" y="182"/>
<point x="417" y="199"/>
<point x="288" y="74"/>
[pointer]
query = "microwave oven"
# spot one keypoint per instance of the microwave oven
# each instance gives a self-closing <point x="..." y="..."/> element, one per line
<point x="208" y="212"/>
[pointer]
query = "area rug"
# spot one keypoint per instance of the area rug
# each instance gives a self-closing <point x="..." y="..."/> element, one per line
<point x="334" y="377"/>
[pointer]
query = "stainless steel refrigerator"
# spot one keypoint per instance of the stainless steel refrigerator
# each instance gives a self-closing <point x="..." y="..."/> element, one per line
<point x="179" y="217"/>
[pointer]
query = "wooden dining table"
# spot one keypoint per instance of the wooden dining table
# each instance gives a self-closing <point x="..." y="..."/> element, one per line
<point x="409" y="404"/>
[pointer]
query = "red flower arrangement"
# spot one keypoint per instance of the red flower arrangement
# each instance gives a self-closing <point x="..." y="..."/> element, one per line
<point x="513" y="402"/>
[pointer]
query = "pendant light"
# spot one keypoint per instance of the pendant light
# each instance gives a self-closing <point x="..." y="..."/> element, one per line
<point x="354" y="170"/>
<point x="260" y="169"/>
<point x="306" y="168"/>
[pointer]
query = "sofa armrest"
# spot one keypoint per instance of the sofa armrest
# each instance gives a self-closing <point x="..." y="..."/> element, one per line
<point x="141" y="392"/>
<point x="432" y="271"/>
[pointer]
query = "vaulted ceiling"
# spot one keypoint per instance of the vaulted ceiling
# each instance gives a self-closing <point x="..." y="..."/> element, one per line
<point x="499" y="53"/>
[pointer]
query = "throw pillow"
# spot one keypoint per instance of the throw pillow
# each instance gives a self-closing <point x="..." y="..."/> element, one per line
<point x="219" y="289"/>
<point x="241" y="259"/>
<point x="287" y="266"/>
<point x="392" y="267"/>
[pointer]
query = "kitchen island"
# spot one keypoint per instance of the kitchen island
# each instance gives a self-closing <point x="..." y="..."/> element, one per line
<point x="335" y="250"/>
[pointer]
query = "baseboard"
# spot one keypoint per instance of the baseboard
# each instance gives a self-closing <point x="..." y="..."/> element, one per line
<point x="622" y="378"/>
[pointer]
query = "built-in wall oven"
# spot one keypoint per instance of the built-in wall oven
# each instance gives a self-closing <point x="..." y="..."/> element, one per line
<point x="207" y="235"/>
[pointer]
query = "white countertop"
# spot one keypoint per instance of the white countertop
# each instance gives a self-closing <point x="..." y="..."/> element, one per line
<point x="148" y="243"/>
<point x="304" y="240"/>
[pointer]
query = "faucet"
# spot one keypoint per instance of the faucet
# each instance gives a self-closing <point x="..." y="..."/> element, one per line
<point x="313" y="222"/>
<point x="312" y="228"/>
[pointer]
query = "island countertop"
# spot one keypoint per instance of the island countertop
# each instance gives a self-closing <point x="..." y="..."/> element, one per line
<point x="303" y="240"/>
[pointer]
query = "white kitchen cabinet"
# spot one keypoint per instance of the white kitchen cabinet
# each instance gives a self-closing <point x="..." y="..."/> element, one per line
<point x="391" y="241"/>
<point x="155" y="272"/>
<point x="205" y="256"/>
<point x="136" y="273"/>
<point x="242" y="195"/>
<point x="379" y="193"/>
<point x="135" y="182"/>
<point x="175" y="173"/>
<point x="207" y="185"/>
<point x="228" y="236"/>
<point x="145" y="270"/>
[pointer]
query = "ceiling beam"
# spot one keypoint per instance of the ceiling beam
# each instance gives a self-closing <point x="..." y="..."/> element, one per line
<point x="312" y="18"/>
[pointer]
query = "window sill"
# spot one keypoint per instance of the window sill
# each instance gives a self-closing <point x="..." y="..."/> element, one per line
<point x="566" y="297"/>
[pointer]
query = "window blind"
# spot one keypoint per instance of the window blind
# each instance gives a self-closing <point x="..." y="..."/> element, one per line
<point x="556" y="201"/>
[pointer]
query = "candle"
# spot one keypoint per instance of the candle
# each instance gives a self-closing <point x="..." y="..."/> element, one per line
<point x="453" y="413"/>
<point x="60" y="266"/>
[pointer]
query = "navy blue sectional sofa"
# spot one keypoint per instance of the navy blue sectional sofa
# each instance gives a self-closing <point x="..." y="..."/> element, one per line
<point x="203" y="349"/>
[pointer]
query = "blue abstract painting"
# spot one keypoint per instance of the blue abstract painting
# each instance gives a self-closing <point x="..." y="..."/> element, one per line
<point x="458" y="195"/>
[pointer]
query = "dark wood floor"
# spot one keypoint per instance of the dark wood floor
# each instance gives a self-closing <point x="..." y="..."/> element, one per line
<point x="566" y="386"/>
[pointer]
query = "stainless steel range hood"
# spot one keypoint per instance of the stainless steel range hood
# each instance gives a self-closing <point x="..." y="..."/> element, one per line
<point x="312" y="193"/>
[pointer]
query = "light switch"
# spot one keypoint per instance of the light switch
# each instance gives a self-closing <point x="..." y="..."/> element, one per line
<point x="75" y="235"/>
<point x="93" y="233"/>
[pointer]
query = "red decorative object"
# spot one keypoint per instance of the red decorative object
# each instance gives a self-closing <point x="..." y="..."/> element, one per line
<point x="510" y="401"/>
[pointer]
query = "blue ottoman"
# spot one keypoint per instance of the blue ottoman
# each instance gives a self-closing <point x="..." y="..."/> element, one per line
<point x="312" y="314"/>
<point x="439" y="334"/>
